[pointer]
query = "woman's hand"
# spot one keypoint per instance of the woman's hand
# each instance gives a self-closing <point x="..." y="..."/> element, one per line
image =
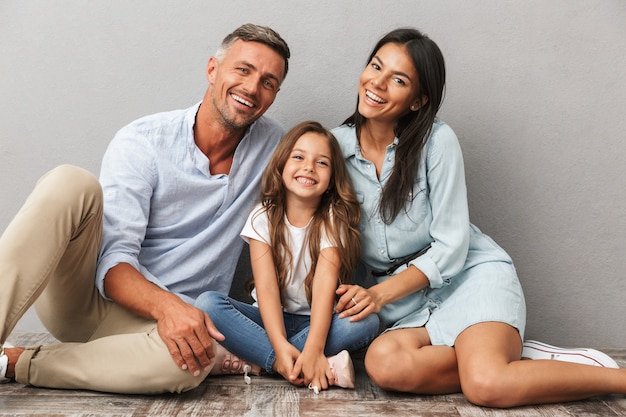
<point x="315" y="370"/>
<point x="356" y="302"/>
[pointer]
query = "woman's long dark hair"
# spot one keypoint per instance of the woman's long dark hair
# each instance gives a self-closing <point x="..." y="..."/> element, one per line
<point x="412" y="129"/>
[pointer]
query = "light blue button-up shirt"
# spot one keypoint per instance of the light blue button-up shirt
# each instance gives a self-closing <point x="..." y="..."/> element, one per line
<point x="438" y="214"/>
<point x="166" y="215"/>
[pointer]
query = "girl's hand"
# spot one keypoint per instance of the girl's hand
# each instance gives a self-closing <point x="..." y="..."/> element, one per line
<point x="356" y="302"/>
<point x="284" y="364"/>
<point x="315" y="370"/>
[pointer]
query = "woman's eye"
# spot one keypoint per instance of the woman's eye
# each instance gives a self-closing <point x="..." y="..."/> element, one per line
<point x="376" y="66"/>
<point x="399" y="81"/>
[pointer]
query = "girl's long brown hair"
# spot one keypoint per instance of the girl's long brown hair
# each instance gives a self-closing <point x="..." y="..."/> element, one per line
<point x="337" y="215"/>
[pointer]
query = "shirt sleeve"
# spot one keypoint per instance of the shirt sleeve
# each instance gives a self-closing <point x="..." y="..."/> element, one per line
<point x="257" y="226"/>
<point x="127" y="176"/>
<point x="325" y="240"/>
<point x="450" y="226"/>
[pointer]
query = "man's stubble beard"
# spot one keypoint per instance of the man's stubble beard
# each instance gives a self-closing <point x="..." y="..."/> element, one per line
<point x="228" y="121"/>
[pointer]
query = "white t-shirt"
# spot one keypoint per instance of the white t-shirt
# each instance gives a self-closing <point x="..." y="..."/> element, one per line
<point x="257" y="228"/>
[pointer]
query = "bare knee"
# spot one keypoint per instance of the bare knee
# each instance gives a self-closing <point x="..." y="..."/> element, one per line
<point x="386" y="366"/>
<point x="487" y="389"/>
<point x="377" y="365"/>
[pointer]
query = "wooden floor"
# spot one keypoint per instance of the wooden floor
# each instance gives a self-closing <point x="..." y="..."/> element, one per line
<point x="266" y="396"/>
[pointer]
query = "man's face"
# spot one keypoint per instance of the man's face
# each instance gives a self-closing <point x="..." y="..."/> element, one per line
<point x="244" y="84"/>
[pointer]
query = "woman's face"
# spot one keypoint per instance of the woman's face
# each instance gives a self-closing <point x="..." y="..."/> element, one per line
<point x="389" y="85"/>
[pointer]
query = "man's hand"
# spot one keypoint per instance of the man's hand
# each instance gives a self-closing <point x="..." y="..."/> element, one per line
<point x="188" y="333"/>
<point x="186" y="330"/>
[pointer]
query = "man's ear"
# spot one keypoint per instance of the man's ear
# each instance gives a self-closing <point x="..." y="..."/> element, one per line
<point x="211" y="68"/>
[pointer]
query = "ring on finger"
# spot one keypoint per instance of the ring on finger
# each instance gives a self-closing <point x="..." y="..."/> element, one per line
<point x="354" y="301"/>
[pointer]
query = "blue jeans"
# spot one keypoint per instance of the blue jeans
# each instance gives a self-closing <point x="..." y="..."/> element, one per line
<point x="242" y="326"/>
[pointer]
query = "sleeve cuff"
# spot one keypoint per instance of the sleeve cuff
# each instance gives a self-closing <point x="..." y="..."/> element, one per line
<point x="108" y="262"/>
<point x="429" y="268"/>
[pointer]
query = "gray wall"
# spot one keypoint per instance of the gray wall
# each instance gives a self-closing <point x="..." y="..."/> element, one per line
<point x="536" y="93"/>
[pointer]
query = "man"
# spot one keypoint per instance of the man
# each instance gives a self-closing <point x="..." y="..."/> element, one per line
<point x="177" y="188"/>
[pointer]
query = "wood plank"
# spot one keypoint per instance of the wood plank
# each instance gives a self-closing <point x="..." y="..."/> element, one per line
<point x="273" y="396"/>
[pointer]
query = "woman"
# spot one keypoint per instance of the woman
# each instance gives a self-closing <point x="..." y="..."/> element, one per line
<point x="448" y="296"/>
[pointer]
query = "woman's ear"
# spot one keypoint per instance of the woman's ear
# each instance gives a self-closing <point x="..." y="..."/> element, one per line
<point x="419" y="103"/>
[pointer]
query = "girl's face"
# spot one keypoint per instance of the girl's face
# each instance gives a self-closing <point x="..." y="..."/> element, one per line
<point x="308" y="169"/>
<point x="389" y="85"/>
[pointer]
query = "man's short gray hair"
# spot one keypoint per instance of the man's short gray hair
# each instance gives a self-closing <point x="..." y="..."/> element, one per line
<point x="255" y="33"/>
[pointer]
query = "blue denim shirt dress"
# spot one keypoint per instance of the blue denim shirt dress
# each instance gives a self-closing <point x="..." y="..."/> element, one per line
<point x="471" y="279"/>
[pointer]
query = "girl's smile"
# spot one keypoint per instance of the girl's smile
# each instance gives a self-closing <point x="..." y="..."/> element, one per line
<point x="308" y="171"/>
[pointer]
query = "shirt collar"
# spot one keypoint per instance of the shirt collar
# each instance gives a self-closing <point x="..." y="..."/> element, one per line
<point x="352" y="145"/>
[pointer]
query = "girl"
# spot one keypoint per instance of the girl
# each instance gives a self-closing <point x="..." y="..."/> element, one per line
<point x="304" y="241"/>
<point x="447" y="294"/>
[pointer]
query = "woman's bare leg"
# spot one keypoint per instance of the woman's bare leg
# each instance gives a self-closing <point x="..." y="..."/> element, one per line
<point x="404" y="360"/>
<point x="492" y="375"/>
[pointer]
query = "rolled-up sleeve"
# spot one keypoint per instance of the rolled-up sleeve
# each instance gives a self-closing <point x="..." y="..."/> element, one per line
<point x="450" y="226"/>
<point x="127" y="176"/>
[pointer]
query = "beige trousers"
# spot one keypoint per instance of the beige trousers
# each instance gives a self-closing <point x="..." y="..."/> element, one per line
<point x="48" y="257"/>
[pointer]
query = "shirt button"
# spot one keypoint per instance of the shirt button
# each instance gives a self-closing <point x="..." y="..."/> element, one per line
<point x="382" y="251"/>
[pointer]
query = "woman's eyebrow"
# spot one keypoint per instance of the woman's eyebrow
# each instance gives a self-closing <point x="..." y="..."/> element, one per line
<point x="377" y="58"/>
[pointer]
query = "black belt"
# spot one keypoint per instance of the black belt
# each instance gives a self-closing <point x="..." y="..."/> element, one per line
<point x="399" y="263"/>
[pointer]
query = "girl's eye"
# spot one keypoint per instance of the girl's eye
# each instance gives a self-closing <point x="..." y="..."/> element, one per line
<point x="376" y="66"/>
<point x="324" y="163"/>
